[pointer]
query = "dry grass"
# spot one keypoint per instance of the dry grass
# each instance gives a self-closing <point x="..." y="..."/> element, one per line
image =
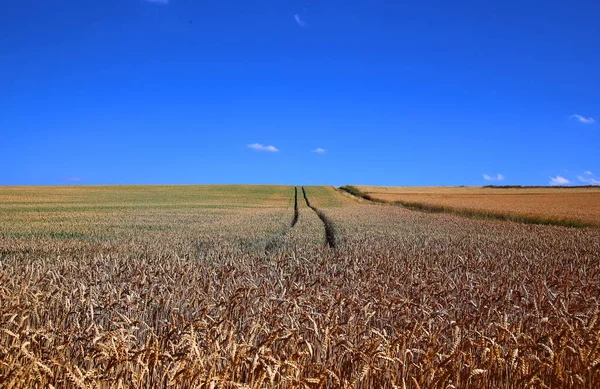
<point x="406" y="300"/>
<point x="530" y="204"/>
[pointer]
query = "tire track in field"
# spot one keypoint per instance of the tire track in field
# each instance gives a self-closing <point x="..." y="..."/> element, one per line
<point x="329" y="230"/>
<point x="296" y="211"/>
<point x="278" y="239"/>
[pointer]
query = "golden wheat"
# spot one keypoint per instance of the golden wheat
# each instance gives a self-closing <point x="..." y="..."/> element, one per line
<point x="237" y="298"/>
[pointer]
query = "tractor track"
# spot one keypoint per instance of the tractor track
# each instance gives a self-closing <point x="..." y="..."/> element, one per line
<point x="329" y="230"/>
<point x="277" y="239"/>
<point x="296" y="211"/>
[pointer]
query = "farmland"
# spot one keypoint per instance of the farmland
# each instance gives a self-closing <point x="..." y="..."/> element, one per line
<point x="567" y="206"/>
<point x="288" y="287"/>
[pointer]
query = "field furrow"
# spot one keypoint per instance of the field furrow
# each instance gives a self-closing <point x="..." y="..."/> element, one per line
<point x="329" y="230"/>
<point x="296" y="211"/>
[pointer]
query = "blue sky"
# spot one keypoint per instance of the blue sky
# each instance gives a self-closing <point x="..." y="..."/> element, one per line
<point x="299" y="92"/>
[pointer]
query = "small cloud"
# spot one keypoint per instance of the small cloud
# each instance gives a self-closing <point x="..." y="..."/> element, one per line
<point x="259" y="147"/>
<point x="588" y="178"/>
<point x="319" y="150"/>
<point x="498" y="177"/>
<point x="300" y="22"/>
<point x="158" y="1"/>
<point x="583" y="119"/>
<point x="70" y="179"/>
<point x="558" y="180"/>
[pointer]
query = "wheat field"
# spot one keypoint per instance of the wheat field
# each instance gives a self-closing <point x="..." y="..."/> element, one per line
<point x="542" y="204"/>
<point x="286" y="287"/>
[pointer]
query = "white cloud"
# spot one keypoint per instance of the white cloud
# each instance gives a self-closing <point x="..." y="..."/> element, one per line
<point x="258" y="146"/>
<point x="558" y="180"/>
<point x="70" y="179"/>
<point x="158" y="1"/>
<point x="583" y="119"/>
<point x="498" y="177"/>
<point x="319" y="150"/>
<point x="589" y="180"/>
<point x="300" y="22"/>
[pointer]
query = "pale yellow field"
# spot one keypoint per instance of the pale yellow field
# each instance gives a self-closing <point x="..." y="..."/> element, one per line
<point x="561" y="204"/>
<point x="287" y="287"/>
